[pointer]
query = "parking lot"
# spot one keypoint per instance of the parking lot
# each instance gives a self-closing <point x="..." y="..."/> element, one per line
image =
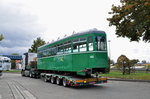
<point x="14" y="86"/>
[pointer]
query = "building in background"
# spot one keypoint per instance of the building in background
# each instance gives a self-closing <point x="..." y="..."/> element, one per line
<point x="16" y="61"/>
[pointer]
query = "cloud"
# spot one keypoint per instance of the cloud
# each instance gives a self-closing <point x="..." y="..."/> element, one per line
<point x="18" y="26"/>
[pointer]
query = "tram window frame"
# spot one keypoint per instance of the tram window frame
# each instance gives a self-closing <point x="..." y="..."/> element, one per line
<point x="67" y="47"/>
<point x="60" y="48"/>
<point x="54" y="50"/>
<point x="44" y="52"/>
<point x="49" y="51"/>
<point x="90" y="43"/>
<point x="100" y="43"/>
<point x="80" y="44"/>
<point x="39" y="54"/>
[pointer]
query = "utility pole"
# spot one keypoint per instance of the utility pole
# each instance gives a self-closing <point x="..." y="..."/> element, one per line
<point x="109" y="49"/>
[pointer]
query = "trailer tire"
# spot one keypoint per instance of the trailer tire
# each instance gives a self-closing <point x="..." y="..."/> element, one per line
<point x="30" y="75"/>
<point x="52" y="80"/>
<point x="22" y="73"/>
<point x="65" y="82"/>
<point x="45" y="79"/>
<point x="58" y="81"/>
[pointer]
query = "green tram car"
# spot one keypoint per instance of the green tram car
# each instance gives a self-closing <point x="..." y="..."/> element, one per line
<point x="82" y="53"/>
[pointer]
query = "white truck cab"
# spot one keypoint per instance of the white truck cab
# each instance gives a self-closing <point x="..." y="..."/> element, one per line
<point x="5" y="62"/>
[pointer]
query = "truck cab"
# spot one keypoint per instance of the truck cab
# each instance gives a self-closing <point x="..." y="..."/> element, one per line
<point x="29" y="64"/>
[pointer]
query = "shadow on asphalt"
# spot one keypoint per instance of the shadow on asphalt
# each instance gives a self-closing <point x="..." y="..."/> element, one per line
<point x="89" y="87"/>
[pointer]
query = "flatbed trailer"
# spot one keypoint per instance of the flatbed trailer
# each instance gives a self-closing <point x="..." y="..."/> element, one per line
<point x="72" y="80"/>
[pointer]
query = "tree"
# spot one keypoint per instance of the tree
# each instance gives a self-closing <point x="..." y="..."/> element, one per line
<point x="14" y="54"/>
<point x="123" y="62"/>
<point x="133" y="62"/>
<point x="132" y="19"/>
<point x="109" y="62"/>
<point x="13" y="64"/>
<point x="1" y="37"/>
<point x="36" y="43"/>
<point x="144" y="62"/>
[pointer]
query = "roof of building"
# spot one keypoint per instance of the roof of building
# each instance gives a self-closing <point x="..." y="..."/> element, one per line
<point x="14" y="57"/>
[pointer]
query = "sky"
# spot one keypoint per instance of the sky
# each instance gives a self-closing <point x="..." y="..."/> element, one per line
<point x="22" y="21"/>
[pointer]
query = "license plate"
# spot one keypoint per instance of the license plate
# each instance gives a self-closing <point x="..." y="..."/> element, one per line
<point x="91" y="83"/>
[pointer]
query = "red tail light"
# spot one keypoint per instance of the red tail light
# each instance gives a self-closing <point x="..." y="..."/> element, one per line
<point x="76" y="84"/>
<point x="105" y="81"/>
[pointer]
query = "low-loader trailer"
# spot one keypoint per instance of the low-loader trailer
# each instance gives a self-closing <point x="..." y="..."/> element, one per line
<point x="29" y="69"/>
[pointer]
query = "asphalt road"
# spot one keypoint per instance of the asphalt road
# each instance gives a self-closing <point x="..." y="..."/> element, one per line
<point x="13" y="86"/>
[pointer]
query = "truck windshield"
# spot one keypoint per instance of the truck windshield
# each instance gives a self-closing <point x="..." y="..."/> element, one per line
<point x="6" y="61"/>
<point x="0" y="64"/>
<point x="100" y="43"/>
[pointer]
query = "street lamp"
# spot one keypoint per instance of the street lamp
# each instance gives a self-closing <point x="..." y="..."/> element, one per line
<point x="109" y="56"/>
<point x="109" y="49"/>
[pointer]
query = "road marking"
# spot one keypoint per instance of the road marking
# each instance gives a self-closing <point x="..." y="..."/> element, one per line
<point x="29" y="94"/>
<point x="0" y="96"/>
<point x="20" y="92"/>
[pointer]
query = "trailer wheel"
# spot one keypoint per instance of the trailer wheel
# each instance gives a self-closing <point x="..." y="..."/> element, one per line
<point x="45" y="79"/>
<point x="22" y="73"/>
<point x="52" y="80"/>
<point x="65" y="82"/>
<point x="30" y="75"/>
<point x="58" y="81"/>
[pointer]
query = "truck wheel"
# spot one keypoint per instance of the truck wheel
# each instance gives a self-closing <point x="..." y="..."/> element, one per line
<point x="30" y="75"/>
<point x="45" y="79"/>
<point x="65" y="82"/>
<point x="52" y="80"/>
<point x="58" y="81"/>
<point x="22" y="73"/>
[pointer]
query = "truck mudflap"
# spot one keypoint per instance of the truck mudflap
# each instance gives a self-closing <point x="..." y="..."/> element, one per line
<point x="1" y="72"/>
<point x="89" y="81"/>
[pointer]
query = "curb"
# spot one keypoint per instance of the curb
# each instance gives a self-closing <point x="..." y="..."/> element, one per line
<point x="12" y="72"/>
<point x="129" y="80"/>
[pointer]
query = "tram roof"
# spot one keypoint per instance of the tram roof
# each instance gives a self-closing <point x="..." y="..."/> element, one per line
<point x="77" y="34"/>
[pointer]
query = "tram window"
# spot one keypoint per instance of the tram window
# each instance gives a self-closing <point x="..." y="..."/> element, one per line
<point x="39" y="54"/>
<point x="49" y="51"/>
<point x="90" y="43"/>
<point x="44" y="53"/>
<point x="82" y="47"/>
<point x="75" y="40"/>
<point x="83" y="39"/>
<point x="60" y="49"/>
<point x="100" y="43"/>
<point x="75" y="47"/>
<point x="54" y="50"/>
<point x="67" y="47"/>
<point x="79" y="45"/>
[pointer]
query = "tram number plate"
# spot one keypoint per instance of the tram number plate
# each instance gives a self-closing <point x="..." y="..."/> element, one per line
<point x="91" y="83"/>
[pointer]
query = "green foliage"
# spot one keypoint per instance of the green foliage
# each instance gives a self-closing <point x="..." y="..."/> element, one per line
<point x="132" y="19"/>
<point x="12" y="71"/>
<point x="13" y="64"/>
<point x="1" y="37"/>
<point x="109" y="62"/>
<point x="133" y="62"/>
<point x="123" y="60"/>
<point x="134" y="76"/>
<point x="36" y="43"/>
<point x="124" y="63"/>
<point x="14" y="54"/>
<point x="144" y="61"/>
